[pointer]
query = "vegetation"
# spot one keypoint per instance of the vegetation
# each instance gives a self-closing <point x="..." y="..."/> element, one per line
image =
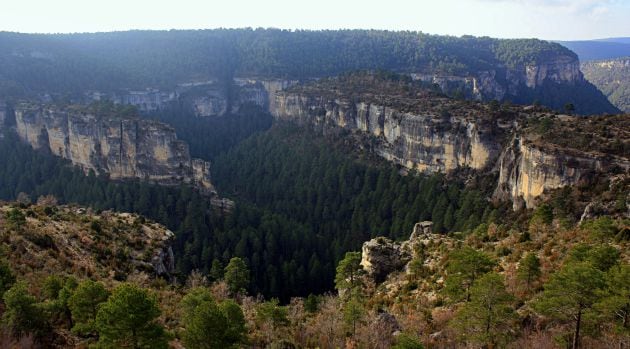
<point x="128" y="320"/>
<point x="612" y="78"/>
<point x="137" y="59"/>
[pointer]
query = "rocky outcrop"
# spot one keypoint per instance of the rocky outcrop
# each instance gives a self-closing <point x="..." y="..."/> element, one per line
<point x="426" y="142"/>
<point x="149" y="100"/>
<point x="526" y="170"/>
<point x="75" y="240"/>
<point x="214" y="104"/>
<point x="381" y="256"/>
<point x="212" y="99"/>
<point x="122" y="148"/>
<point x="507" y="83"/>
<point x="432" y="134"/>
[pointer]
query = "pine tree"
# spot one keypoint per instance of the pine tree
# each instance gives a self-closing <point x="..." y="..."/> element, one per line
<point x="128" y="320"/>
<point x="84" y="304"/>
<point x="488" y="317"/>
<point x="237" y="276"/>
<point x="464" y="267"/>
<point x="571" y="294"/>
<point x="529" y="269"/>
<point x="349" y="271"/>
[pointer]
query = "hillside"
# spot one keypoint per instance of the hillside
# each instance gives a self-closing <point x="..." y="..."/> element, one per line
<point x="521" y="71"/>
<point x="421" y="130"/>
<point x="64" y="261"/>
<point x="612" y="77"/>
<point x="45" y="239"/>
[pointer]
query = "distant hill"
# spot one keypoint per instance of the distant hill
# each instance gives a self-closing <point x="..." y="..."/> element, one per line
<point x="589" y="50"/>
<point x="521" y="71"/>
<point x="612" y="77"/>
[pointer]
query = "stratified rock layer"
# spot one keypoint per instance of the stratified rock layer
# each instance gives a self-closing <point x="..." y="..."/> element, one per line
<point x="123" y="148"/>
<point x="433" y="134"/>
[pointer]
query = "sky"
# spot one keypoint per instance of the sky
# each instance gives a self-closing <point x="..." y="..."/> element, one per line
<point x="545" y="19"/>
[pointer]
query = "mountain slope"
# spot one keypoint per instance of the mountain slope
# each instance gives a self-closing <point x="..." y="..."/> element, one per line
<point x="612" y="77"/>
<point x="425" y="131"/>
<point x="521" y="71"/>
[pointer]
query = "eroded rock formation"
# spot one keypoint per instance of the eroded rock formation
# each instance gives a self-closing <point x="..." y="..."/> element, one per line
<point x="433" y="134"/>
<point x="121" y="147"/>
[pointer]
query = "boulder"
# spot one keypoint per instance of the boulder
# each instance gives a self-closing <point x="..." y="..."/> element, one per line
<point x="381" y="256"/>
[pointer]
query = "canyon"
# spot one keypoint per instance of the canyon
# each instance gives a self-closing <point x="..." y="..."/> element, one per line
<point x="432" y="134"/>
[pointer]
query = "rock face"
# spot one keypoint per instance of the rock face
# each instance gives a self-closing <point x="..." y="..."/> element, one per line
<point x="433" y="134"/>
<point x="211" y="99"/>
<point x="149" y="100"/>
<point x="381" y="256"/>
<point x="123" y="148"/>
<point x="422" y="141"/>
<point x="508" y="83"/>
<point x="3" y="113"/>
<point x="527" y="171"/>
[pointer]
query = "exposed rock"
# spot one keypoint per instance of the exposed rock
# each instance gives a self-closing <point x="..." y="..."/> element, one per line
<point x="432" y="134"/>
<point x="381" y="256"/>
<point x="211" y="99"/>
<point x="164" y="262"/>
<point x="421" y="230"/>
<point x="149" y="100"/>
<point x="123" y="148"/>
<point x="3" y="114"/>
<point x="420" y="141"/>
<point x="214" y="104"/>
<point x="527" y="171"/>
<point x="387" y="322"/>
<point x="69" y="239"/>
<point x="501" y="84"/>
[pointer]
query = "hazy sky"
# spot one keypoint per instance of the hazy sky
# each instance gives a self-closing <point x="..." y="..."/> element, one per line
<point x="547" y="19"/>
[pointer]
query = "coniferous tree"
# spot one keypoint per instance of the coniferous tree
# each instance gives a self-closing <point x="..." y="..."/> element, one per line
<point x="464" y="267"/>
<point x="128" y="319"/>
<point x="529" y="269"/>
<point x="488" y="317"/>
<point x="571" y="294"/>
<point x="84" y="304"/>
<point x="237" y="276"/>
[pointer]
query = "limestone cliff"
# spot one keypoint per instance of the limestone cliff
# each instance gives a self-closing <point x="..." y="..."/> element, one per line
<point x="212" y="99"/>
<point x="424" y="141"/>
<point x="508" y="83"/>
<point x="428" y="132"/>
<point x="122" y="147"/>
<point x="532" y="164"/>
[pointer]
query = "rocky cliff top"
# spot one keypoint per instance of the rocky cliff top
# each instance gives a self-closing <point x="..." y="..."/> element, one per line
<point x="595" y="136"/>
<point x="46" y="239"/>
<point x="533" y="149"/>
<point x="111" y="139"/>
<point x="407" y="96"/>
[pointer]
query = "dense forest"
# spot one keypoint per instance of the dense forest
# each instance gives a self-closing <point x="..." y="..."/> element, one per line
<point x="138" y="59"/>
<point x="290" y="224"/>
<point x="612" y="77"/>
